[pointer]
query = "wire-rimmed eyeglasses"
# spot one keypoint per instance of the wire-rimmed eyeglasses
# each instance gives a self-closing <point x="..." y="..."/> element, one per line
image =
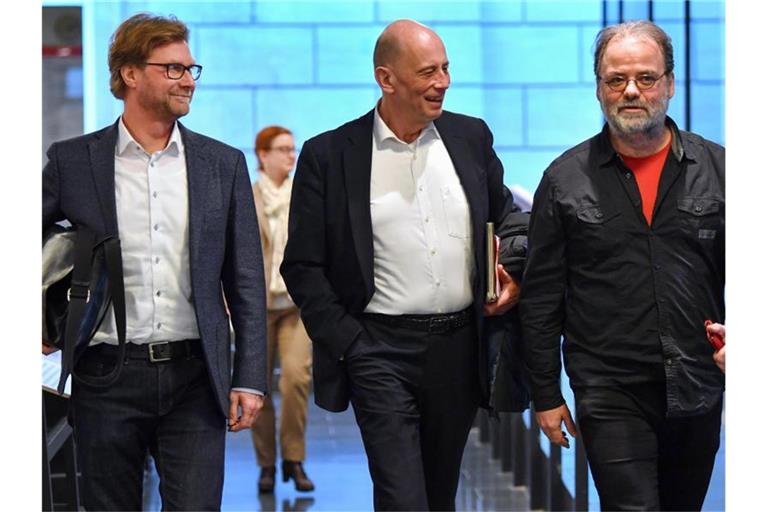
<point x="643" y="82"/>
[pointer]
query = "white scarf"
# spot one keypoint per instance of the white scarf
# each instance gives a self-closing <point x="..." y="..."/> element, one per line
<point x="277" y="200"/>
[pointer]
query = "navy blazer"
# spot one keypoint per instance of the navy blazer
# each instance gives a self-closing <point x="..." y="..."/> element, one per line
<point x="224" y="247"/>
<point x="328" y="261"/>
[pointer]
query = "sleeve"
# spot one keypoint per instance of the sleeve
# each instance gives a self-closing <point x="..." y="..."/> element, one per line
<point x="243" y="284"/>
<point x="542" y="307"/>
<point x="305" y="261"/>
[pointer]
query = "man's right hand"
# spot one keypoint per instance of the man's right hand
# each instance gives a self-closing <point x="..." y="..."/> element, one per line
<point x="550" y="422"/>
<point x="49" y="349"/>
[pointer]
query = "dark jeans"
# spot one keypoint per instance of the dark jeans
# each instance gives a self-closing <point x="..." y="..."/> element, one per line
<point x="640" y="459"/>
<point x="167" y="409"/>
<point x="415" y="396"/>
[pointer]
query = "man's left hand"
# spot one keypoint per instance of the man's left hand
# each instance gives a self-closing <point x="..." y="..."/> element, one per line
<point x="249" y="405"/>
<point x="509" y="294"/>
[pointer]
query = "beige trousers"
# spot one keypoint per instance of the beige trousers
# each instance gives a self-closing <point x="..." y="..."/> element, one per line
<point x="287" y="338"/>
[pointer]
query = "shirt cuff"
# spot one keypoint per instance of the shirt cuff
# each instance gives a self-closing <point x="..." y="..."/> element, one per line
<point x="249" y="390"/>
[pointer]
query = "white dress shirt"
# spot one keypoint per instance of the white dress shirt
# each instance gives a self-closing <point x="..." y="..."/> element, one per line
<point x="153" y="225"/>
<point x="422" y="234"/>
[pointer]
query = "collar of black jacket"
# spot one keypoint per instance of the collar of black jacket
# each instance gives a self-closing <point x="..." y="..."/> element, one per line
<point x="681" y="145"/>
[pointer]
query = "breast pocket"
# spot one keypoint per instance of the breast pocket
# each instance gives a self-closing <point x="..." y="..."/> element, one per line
<point x="598" y="232"/>
<point x="700" y="217"/>
<point x="456" y="211"/>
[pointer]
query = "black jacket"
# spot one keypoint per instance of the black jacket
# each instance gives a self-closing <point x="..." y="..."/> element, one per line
<point x="629" y="299"/>
<point x="328" y="261"/>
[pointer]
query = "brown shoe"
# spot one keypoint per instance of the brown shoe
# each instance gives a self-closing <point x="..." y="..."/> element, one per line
<point x="267" y="480"/>
<point x="294" y="469"/>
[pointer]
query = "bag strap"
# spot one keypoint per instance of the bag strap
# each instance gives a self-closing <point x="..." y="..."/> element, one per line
<point x="79" y="295"/>
<point x="114" y="265"/>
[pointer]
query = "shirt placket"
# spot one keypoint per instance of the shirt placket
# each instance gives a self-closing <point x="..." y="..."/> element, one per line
<point x="427" y="211"/>
<point x="157" y="239"/>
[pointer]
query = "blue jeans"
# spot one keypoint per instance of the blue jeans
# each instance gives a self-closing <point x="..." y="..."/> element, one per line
<point x="167" y="409"/>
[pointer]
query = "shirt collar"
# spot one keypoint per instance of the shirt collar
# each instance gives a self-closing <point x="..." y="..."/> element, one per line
<point x="382" y="132"/>
<point x="681" y="148"/>
<point x="125" y="140"/>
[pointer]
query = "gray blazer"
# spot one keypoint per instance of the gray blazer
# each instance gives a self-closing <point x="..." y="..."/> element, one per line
<point x="224" y="248"/>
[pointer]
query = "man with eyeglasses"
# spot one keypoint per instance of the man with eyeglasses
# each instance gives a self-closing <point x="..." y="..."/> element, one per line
<point x="182" y="207"/>
<point x="626" y="262"/>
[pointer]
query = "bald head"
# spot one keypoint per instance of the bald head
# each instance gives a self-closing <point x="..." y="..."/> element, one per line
<point x="397" y="36"/>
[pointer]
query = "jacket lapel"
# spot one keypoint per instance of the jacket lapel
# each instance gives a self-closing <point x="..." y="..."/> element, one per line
<point x="466" y="169"/>
<point x="198" y="176"/>
<point x="357" y="178"/>
<point x="102" y="154"/>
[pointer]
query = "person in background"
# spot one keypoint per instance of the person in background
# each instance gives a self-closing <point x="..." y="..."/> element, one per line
<point x="181" y="206"/>
<point x="627" y="262"/>
<point x="286" y="336"/>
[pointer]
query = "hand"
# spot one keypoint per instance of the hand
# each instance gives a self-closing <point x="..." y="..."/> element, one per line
<point x="509" y="294"/>
<point x="250" y="405"/>
<point x="715" y="329"/>
<point x="719" y="358"/>
<point x="49" y="349"/>
<point x="550" y="423"/>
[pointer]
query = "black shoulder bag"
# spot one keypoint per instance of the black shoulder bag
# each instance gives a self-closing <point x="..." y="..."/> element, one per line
<point x="82" y="276"/>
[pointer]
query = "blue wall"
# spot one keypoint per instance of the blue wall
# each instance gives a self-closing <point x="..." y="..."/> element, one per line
<point x="523" y="66"/>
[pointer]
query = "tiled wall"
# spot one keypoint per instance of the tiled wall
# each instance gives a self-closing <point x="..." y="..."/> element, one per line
<point x="524" y="66"/>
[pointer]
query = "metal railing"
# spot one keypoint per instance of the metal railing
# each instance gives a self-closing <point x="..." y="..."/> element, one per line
<point x="517" y="444"/>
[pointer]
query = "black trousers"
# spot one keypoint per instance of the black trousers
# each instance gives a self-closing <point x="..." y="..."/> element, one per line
<point x="166" y="409"/>
<point x="640" y="459"/>
<point x="415" y="396"/>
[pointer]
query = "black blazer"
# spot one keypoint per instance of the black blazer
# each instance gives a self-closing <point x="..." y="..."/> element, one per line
<point x="224" y="246"/>
<point x="328" y="261"/>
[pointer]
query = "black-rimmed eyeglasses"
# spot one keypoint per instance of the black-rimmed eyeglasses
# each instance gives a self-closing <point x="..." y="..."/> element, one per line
<point x="643" y="82"/>
<point x="175" y="71"/>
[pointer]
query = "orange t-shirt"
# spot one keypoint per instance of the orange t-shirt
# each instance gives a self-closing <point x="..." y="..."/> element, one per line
<point x="647" y="172"/>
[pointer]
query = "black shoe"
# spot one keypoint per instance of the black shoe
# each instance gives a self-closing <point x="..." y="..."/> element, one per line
<point x="293" y="469"/>
<point x="267" y="480"/>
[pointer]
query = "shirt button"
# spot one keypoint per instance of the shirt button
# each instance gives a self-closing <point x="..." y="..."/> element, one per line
<point x="159" y="325"/>
<point x="426" y="220"/>
<point x="154" y="194"/>
<point x="156" y="227"/>
<point x="152" y="164"/>
<point x="158" y="293"/>
<point x="599" y="215"/>
<point x="157" y="259"/>
<point x="657" y="267"/>
<point x="433" y="251"/>
<point x="669" y="362"/>
<point x="697" y="208"/>
<point x="437" y="283"/>
<point x="628" y="175"/>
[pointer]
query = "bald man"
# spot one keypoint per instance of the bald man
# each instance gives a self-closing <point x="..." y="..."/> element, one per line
<point x="385" y="259"/>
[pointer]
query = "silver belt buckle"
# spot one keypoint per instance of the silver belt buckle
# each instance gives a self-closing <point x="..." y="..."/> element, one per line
<point x="152" y="357"/>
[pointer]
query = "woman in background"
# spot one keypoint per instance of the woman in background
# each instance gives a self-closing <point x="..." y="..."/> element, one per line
<point x="286" y="335"/>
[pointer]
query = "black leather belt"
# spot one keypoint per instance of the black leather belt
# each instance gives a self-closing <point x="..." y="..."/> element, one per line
<point x="155" y="352"/>
<point x="431" y="324"/>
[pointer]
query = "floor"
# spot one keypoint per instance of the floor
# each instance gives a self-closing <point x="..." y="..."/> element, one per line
<point x="336" y="463"/>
